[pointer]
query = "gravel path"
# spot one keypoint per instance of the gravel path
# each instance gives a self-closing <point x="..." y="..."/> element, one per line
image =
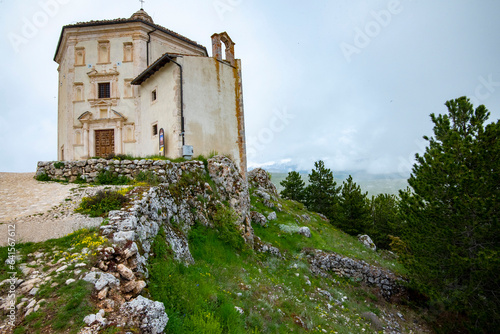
<point x="40" y="210"/>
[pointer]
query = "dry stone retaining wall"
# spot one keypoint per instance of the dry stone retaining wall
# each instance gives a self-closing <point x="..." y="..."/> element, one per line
<point x="89" y="169"/>
<point x="324" y="262"/>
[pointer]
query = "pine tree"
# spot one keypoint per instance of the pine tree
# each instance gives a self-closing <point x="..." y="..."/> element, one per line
<point x="322" y="191"/>
<point x="384" y="219"/>
<point x="451" y="216"/>
<point x="293" y="187"/>
<point x="353" y="210"/>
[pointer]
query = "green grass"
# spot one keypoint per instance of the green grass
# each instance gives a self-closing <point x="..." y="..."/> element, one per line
<point x="101" y="203"/>
<point x="274" y="294"/>
<point x="109" y="178"/>
<point x="324" y="236"/>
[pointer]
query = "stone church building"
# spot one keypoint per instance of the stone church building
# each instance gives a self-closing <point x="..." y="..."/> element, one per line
<point x="127" y="86"/>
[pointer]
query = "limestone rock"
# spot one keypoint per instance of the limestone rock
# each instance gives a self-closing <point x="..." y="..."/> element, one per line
<point x="272" y="216"/>
<point x="125" y="272"/>
<point x="305" y="231"/>
<point x="260" y="178"/>
<point x="258" y="218"/>
<point x="103" y="293"/>
<point x="367" y="241"/>
<point x="129" y="286"/>
<point x="374" y="320"/>
<point x="101" y="280"/>
<point x="145" y="314"/>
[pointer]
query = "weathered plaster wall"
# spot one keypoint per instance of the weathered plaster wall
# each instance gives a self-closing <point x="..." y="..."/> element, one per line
<point x="212" y="107"/>
<point x="165" y="112"/>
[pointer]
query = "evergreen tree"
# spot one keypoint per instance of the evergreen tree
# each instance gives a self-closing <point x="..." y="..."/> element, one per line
<point x="293" y="187"/>
<point x="322" y="191"/>
<point x="451" y="216"/>
<point x="353" y="210"/>
<point x="384" y="219"/>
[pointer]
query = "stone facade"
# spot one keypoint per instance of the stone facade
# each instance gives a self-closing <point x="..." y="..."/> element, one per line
<point x="123" y="81"/>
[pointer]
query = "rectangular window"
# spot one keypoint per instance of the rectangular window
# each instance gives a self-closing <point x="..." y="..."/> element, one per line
<point x="153" y="95"/>
<point x="154" y="130"/>
<point x="104" y="90"/>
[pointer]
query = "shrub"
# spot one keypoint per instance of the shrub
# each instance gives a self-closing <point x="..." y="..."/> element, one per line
<point x="80" y="180"/>
<point x="43" y="177"/>
<point x="100" y="204"/>
<point x="106" y="177"/>
<point x="58" y="165"/>
<point x="203" y="323"/>
<point x="224" y="220"/>
<point x="149" y="177"/>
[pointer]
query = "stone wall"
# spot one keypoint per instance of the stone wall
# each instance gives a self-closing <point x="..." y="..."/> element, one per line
<point x="89" y="169"/>
<point x="324" y="262"/>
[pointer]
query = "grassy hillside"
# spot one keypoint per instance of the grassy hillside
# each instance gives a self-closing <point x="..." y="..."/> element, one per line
<point x="230" y="288"/>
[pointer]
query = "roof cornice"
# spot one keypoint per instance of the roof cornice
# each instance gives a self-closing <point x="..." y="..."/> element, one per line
<point x="125" y="21"/>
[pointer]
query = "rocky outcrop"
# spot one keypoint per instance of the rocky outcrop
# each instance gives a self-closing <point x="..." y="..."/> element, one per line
<point x="232" y="188"/>
<point x="259" y="178"/>
<point x="323" y="263"/>
<point x="191" y="194"/>
<point x="178" y="204"/>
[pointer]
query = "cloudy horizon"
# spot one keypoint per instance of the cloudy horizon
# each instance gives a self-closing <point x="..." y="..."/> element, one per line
<point x="350" y="82"/>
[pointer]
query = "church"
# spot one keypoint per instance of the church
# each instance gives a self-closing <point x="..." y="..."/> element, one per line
<point x="131" y="86"/>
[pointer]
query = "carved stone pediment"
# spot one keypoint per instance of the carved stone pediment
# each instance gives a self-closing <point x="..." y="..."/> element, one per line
<point x="85" y="117"/>
<point x="103" y="75"/>
<point x="88" y="117"/>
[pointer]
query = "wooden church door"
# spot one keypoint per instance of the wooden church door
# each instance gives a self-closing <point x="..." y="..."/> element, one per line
<point x="104" y="142"/>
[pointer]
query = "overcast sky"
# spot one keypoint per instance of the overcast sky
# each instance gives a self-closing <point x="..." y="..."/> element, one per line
<point x="348" y="81"/>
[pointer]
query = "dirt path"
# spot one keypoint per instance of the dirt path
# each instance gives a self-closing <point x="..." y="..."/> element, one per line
<point x="40" y="210"/>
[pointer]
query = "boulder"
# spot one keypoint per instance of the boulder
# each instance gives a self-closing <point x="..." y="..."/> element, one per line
<point x="101" y="280"/>
<point x="305" y="231"/>
<point x="145" y="314"/>
<point x="258" y="218"/>
<point x="367" y="241"/>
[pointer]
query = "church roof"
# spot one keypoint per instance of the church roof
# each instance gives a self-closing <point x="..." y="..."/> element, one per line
<point x="139" y="16"/>
<point x="152" y="69"/>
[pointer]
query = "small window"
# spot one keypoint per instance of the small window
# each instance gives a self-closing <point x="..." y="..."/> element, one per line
<point x="104" y="90"/>
<point x="155" y="130"/>
<point x="153" y="95"/>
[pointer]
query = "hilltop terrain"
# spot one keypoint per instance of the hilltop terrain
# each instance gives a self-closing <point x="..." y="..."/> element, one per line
<point x="197" y="249"/>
